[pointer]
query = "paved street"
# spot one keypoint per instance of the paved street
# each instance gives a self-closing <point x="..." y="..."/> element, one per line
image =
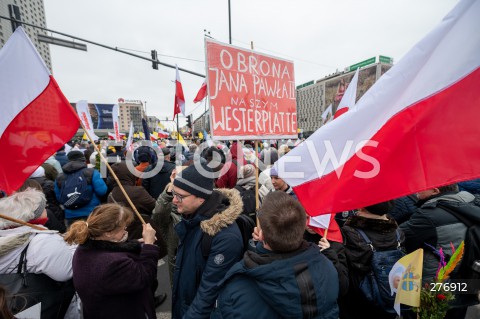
<point x="164" y="311"/>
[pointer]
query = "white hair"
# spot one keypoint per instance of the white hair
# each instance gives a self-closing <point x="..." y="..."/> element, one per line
<point x="20" y="205"/>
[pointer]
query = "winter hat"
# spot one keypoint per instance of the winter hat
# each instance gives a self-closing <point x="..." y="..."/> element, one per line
<point x="39" y="172"/>
<point x="198" y="182"/>
<point x="381" y="208"/>
<point x="76" y="156"/>
<point x="273" y="172"/>
<point x="247" y="171"/>
<point x="26" y="206"/>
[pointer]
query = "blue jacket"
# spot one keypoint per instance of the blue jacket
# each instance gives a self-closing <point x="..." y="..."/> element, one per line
<point x="195" y="278"/>
<point x="98" y="186"/>
<point x="301" y="284"/>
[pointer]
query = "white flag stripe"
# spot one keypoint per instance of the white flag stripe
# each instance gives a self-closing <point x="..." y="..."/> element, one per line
<point x="23" y="77"/>
<point x="419" y="76"/>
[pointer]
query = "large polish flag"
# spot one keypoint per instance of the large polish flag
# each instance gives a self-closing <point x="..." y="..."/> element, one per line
<point x="179" y="106"/>
<point x="348" y="99"/>
<point x="416" y="128"/>
<point x="35" y="117"/>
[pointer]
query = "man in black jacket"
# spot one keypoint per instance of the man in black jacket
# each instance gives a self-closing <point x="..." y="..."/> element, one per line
<point x="434" y="226"/>
<point x="156" y="184"/>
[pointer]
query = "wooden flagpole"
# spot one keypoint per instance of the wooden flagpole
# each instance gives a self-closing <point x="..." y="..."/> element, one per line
<point x="114" y="175"/>
<point x="18" y="221"/>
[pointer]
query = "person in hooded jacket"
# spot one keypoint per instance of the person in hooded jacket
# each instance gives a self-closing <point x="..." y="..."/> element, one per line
<point x="228" y="174"/>
<point x="45" y="253"/>
<point x="286" y="277"/>
<point x="204" y="212"/>
<point x="156" y="184"/>
<point x="382" y="231"/>
<point x="433" y="227"/>
<point x="77" y="161"/>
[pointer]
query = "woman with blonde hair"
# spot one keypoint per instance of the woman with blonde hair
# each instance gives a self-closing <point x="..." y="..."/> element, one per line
<point x="113" y="277"/>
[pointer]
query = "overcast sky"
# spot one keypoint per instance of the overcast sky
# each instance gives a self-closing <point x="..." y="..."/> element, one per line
<point x="319" y="36"/>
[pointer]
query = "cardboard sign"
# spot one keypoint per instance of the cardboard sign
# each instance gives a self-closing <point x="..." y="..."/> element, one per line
<point x="252" y="95"/>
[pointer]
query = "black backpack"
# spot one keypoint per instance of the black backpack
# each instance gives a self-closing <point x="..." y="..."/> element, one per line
<point x="246" y="226"/>
<point x="248" y="199"/>
<point x="75" y="191"/>
<point x="375" y="285"/>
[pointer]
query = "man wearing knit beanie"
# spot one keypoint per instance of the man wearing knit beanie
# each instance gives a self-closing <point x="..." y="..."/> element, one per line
<point x="210" y="213"/>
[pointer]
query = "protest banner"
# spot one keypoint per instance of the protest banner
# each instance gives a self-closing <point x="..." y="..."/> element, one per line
<point x="252" y="95"/>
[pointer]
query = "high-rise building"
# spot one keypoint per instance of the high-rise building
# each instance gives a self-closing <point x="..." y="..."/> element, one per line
<point x="29" y="11"/>
<point x="315" y="96"/>
<point x="130" y="111"/>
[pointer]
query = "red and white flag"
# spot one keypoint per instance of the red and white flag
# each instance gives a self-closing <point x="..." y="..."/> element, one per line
<point x="327" y="115"/>
<point x="415" y="129"/>
<point x="179" y="98"/>
<point x="116" y="124"/>
<point x="348" y="99"/>
<point x="326" y="222"/>
<point x="84" y="114"/>
<point x="35" y="117"/>
<point x="202" y="93"/>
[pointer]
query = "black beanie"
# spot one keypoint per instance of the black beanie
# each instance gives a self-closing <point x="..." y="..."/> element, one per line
<point x="196" y="183"/>
<point x="381" y="208"/>
<point x="76" y="156"/>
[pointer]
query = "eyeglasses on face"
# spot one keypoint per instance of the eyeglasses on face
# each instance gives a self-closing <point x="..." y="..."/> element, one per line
<point x="178" y="196"/>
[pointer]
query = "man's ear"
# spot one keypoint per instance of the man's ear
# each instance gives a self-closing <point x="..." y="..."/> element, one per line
<point x="436" y="191"/>
<point x="260" y="235"/>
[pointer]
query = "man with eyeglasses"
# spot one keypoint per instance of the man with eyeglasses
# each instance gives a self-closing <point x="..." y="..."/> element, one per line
<point x="204" y="211"/>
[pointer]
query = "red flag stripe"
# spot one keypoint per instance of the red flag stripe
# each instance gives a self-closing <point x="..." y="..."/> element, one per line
<point x="41" y="128"/>
<point x="420" y="135"/>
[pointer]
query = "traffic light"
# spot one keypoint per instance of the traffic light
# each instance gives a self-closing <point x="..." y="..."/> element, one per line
<point x="155" y="58"/>
<point x="189" y="121"/>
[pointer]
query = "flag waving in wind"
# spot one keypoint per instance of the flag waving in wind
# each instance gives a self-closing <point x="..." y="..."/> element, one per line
<point x="179" y="98"/>
<point x="348" y="99"/>
<point x="35" y="117"/>
<point x="415" y="129"/>
<point x="84" y="114"/>
<point x="202" y="93"/>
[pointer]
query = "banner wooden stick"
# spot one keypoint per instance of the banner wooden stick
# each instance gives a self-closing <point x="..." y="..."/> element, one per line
<point x="325" y="233"/>
<point x="257" y="198"/>
<point x="114" y="175"/>
<point x="18" y="221"/>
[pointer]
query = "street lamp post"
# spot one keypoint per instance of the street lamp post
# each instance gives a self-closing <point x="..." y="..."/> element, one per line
<point x="229" y="24"/>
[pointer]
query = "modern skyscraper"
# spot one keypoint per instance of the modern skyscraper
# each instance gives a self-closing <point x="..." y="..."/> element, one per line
<point x="29" y="11"/>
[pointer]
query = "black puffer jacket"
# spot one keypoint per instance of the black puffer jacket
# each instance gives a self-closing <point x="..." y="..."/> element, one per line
<point x="436" y="227"/>
<point x="383" y="235"/>
<point x="381" y="232"/>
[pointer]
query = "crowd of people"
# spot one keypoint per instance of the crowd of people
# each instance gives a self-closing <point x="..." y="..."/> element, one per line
<point x="98" y="236"/>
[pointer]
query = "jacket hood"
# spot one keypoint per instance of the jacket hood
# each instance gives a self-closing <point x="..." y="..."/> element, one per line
<point x="73" y="166"/>
<point x="167" y="167"/>
<point x="229" y="206"/>
<point x="378" y="225"/>
<point x="123" y="174"/>
<point x="272" y="275"/>
<point x="237" y="153"/>
<point x="460" y="197"/>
